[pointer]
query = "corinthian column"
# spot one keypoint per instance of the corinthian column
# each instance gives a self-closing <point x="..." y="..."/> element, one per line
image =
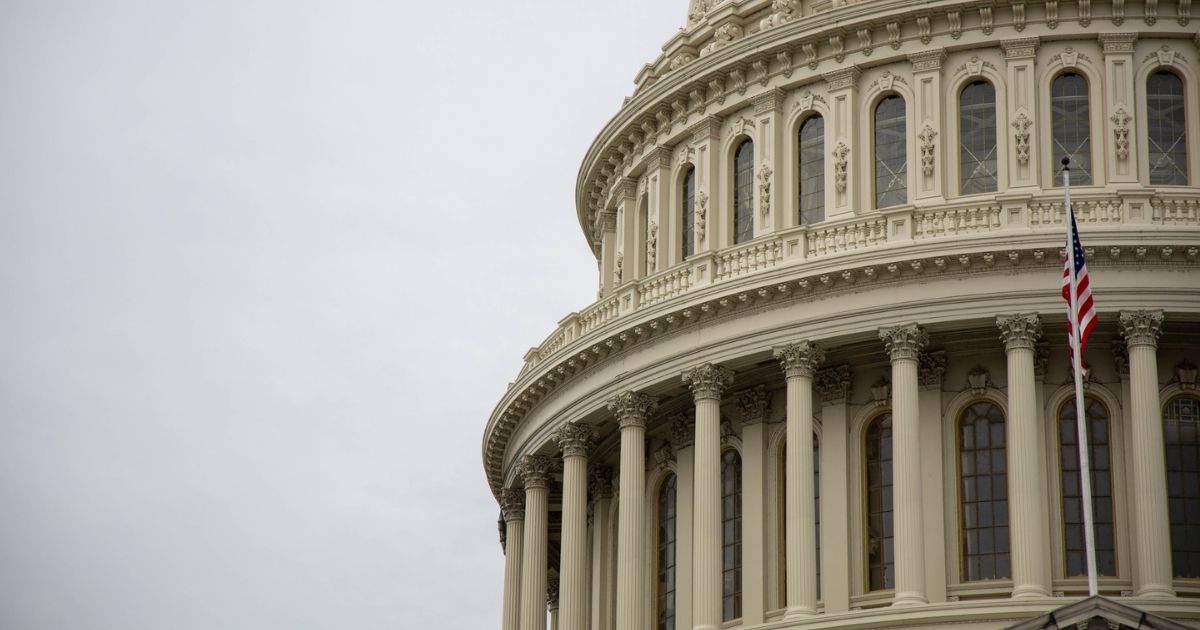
<point x="513" y="502"/>
<point x="631" y="409"/>
<point x="535" y="470"/>
<point x="799" y="362"/>
<point x="575" y="439"/>
<point x="903" y="344"/>
<point x="1026" y="491"/>
<point x="708" y="382"/>
<point x="1152" y="546"/>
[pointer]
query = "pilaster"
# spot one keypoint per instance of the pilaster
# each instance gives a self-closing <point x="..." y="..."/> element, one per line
<point x="842" y="182"/>
<point x="603" y="589"/>
<point x="606" y="228"/>
<point x="929" y="173"/>
<point x="1019" y="58"/>
<point x="773" y="205"/>
<point x="682" y="427"/>
<point x="755" y="406"/>
<point x="833" y="386"/>
<point x="932" y="370"/>
<point x="712" y="213"/>
<point x="1120" y="124"/>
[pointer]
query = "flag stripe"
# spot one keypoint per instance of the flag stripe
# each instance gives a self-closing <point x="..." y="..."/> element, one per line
<point x="1085" y="307"/>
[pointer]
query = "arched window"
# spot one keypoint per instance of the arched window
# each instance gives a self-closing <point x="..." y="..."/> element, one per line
<point x="1181" y="438"/>
<point x="1069" y="126"/>
<point x="731" y="535"/>
<point x="783" y="513"/>
<point x="1167" y="129"/>
<point x="983" y="488"/>
<point x="743" y="192"/>
<point x="812" y="170"/>
<point x="689" y="213"/>
<point x="666" y="554"/>
<point x="891" y="157"/>
<point x="1099" y="461"/>
<point x="880" y="548"/>
<point x="977" y="138"/>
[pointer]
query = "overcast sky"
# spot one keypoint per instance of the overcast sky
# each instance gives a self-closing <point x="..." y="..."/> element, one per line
<point x="265" y="269"/>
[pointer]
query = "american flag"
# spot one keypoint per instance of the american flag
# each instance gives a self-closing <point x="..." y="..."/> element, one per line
<point x="1084" y="306"/>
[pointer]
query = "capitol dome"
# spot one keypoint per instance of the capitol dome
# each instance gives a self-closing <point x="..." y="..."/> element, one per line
<point x="826" y="380"/>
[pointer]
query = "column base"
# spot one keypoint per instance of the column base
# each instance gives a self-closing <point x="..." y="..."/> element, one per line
<point x="706" y="627"/>
<point x="799" y="612"/>
<point x="1030" y="591"/>
<point x="1155" y="591"/>
<point x="908" y="599"/>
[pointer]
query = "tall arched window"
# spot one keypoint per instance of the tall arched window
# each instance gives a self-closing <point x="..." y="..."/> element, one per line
<point x="689" y="213"/>
<point x="743" y="192"/>
<point x="880" y="548"/>
<point x="1166" y="129"/>
<point x="812" y="170"/>
<point x="731" y="535"/>
<point x="1069" y="126"/>
<point x="1181" y="438"/>
<point x="983" y="488"/>
<point x="783" y="513"/>
<point x="977" y="138"/>
<point x="891" y="157"/>
<point x="666" y="554"/>
<point x="1099" y="461"/>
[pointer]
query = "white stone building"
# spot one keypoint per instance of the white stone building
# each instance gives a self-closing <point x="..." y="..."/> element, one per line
<point x="825" y="383"/>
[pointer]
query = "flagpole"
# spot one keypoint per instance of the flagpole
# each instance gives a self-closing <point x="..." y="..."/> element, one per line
<point x="1085" y="469"/>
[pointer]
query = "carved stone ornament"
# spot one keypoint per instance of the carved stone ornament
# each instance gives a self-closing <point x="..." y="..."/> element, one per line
<point x="698" y="9"/>
<point x="978" y="379"/>
<point x="664" y="457"/>
<point x="708" y="381"/>
<point x="682" y="59"/>
<point x="1141" y="328"/>
<point x="800" y="359"/>
<point x="839" y="165"/>
<point x="1019" y="331"/>
<point x="755" y="405"/>
<point x="1120" y="354"/>
<point x="1041" y="359"/>
<point x="782" y="11"/>
<point x="725" y="35"/>
<point x="575" y="439"/>
<point x="683" y="427"/>
<point x="1022" y="123"/>
<point x="904" y="342"/>
<point x="652" y="248"/>
<point x="1120" y="121"/>
<point x="927" y="149"/>
<point x="618" y="270"/>
<point x="600" y="482"/>
<point x="701" y="214"/>
<point x="512" y="501"/>
<point x="881" y="391"/>
<point x="632" y="408"/>
<point x="552" y="591"/>
<point x="536" y="470"/>
<point x="764" y="189"/>
<point x="932" y="366"/>
<point x="833" y="384"/>
<point x="1185" y="372"/>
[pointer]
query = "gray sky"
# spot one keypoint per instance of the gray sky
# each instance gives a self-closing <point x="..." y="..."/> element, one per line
<point x="265" y="268"/>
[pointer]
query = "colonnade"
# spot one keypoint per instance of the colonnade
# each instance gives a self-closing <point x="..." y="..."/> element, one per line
<point x="582" y="575"/>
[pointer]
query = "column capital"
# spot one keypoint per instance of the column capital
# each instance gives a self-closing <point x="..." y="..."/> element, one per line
<point x="1120" y="354"/>
<point x="932" y="366"/>
<point x="800" y="359"/>
<point x="833" y="384"/>
<point x="631" y="408"/>
<point x="552" y="592"/>
<point x="575" y="439"/>
<point x="600" y="482"/>
<point x="512" y="502"/>
<point x="904" y="342"/>
<point x="535" y="471"/>
<point x="708" y="381"/>
<point x="1141" y="328"/>
<point x="1019" y="332"/>
<point x="755" y="405"/>
<point x="1117" y="42"/>
<point x="1020" y="48"/>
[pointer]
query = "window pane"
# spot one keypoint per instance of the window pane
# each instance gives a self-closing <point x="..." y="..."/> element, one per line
<point x="1102" y="514"/>
<point x="1167" y="129"/>
<point x="1181" y="419"/>
<point x="731" y="534"/>
<point x="977" y="138"/>
<point x="1069" y="128"/>
<point x="891" y="159"/>
<point x="666" y="554"/>
<point x="689" y="213"/>
<point x="880" y="559"/>
<point x="812" y="171"/>
<point x="984" y="517"/>
<point x="743" y="193"/>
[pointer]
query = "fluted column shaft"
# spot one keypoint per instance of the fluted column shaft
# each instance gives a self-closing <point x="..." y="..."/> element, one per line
<point x="1152" y="546"/>
<point x="903" y="344"/>
<point x="708" y="382"/>
<point x="799" y="362"/>
<point x="1026" y="491"/>
<point x="536" y="472"/>
<point x="514" y="524"/>
<point x="575" y="439"/>
<point x="631" y="409"/>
